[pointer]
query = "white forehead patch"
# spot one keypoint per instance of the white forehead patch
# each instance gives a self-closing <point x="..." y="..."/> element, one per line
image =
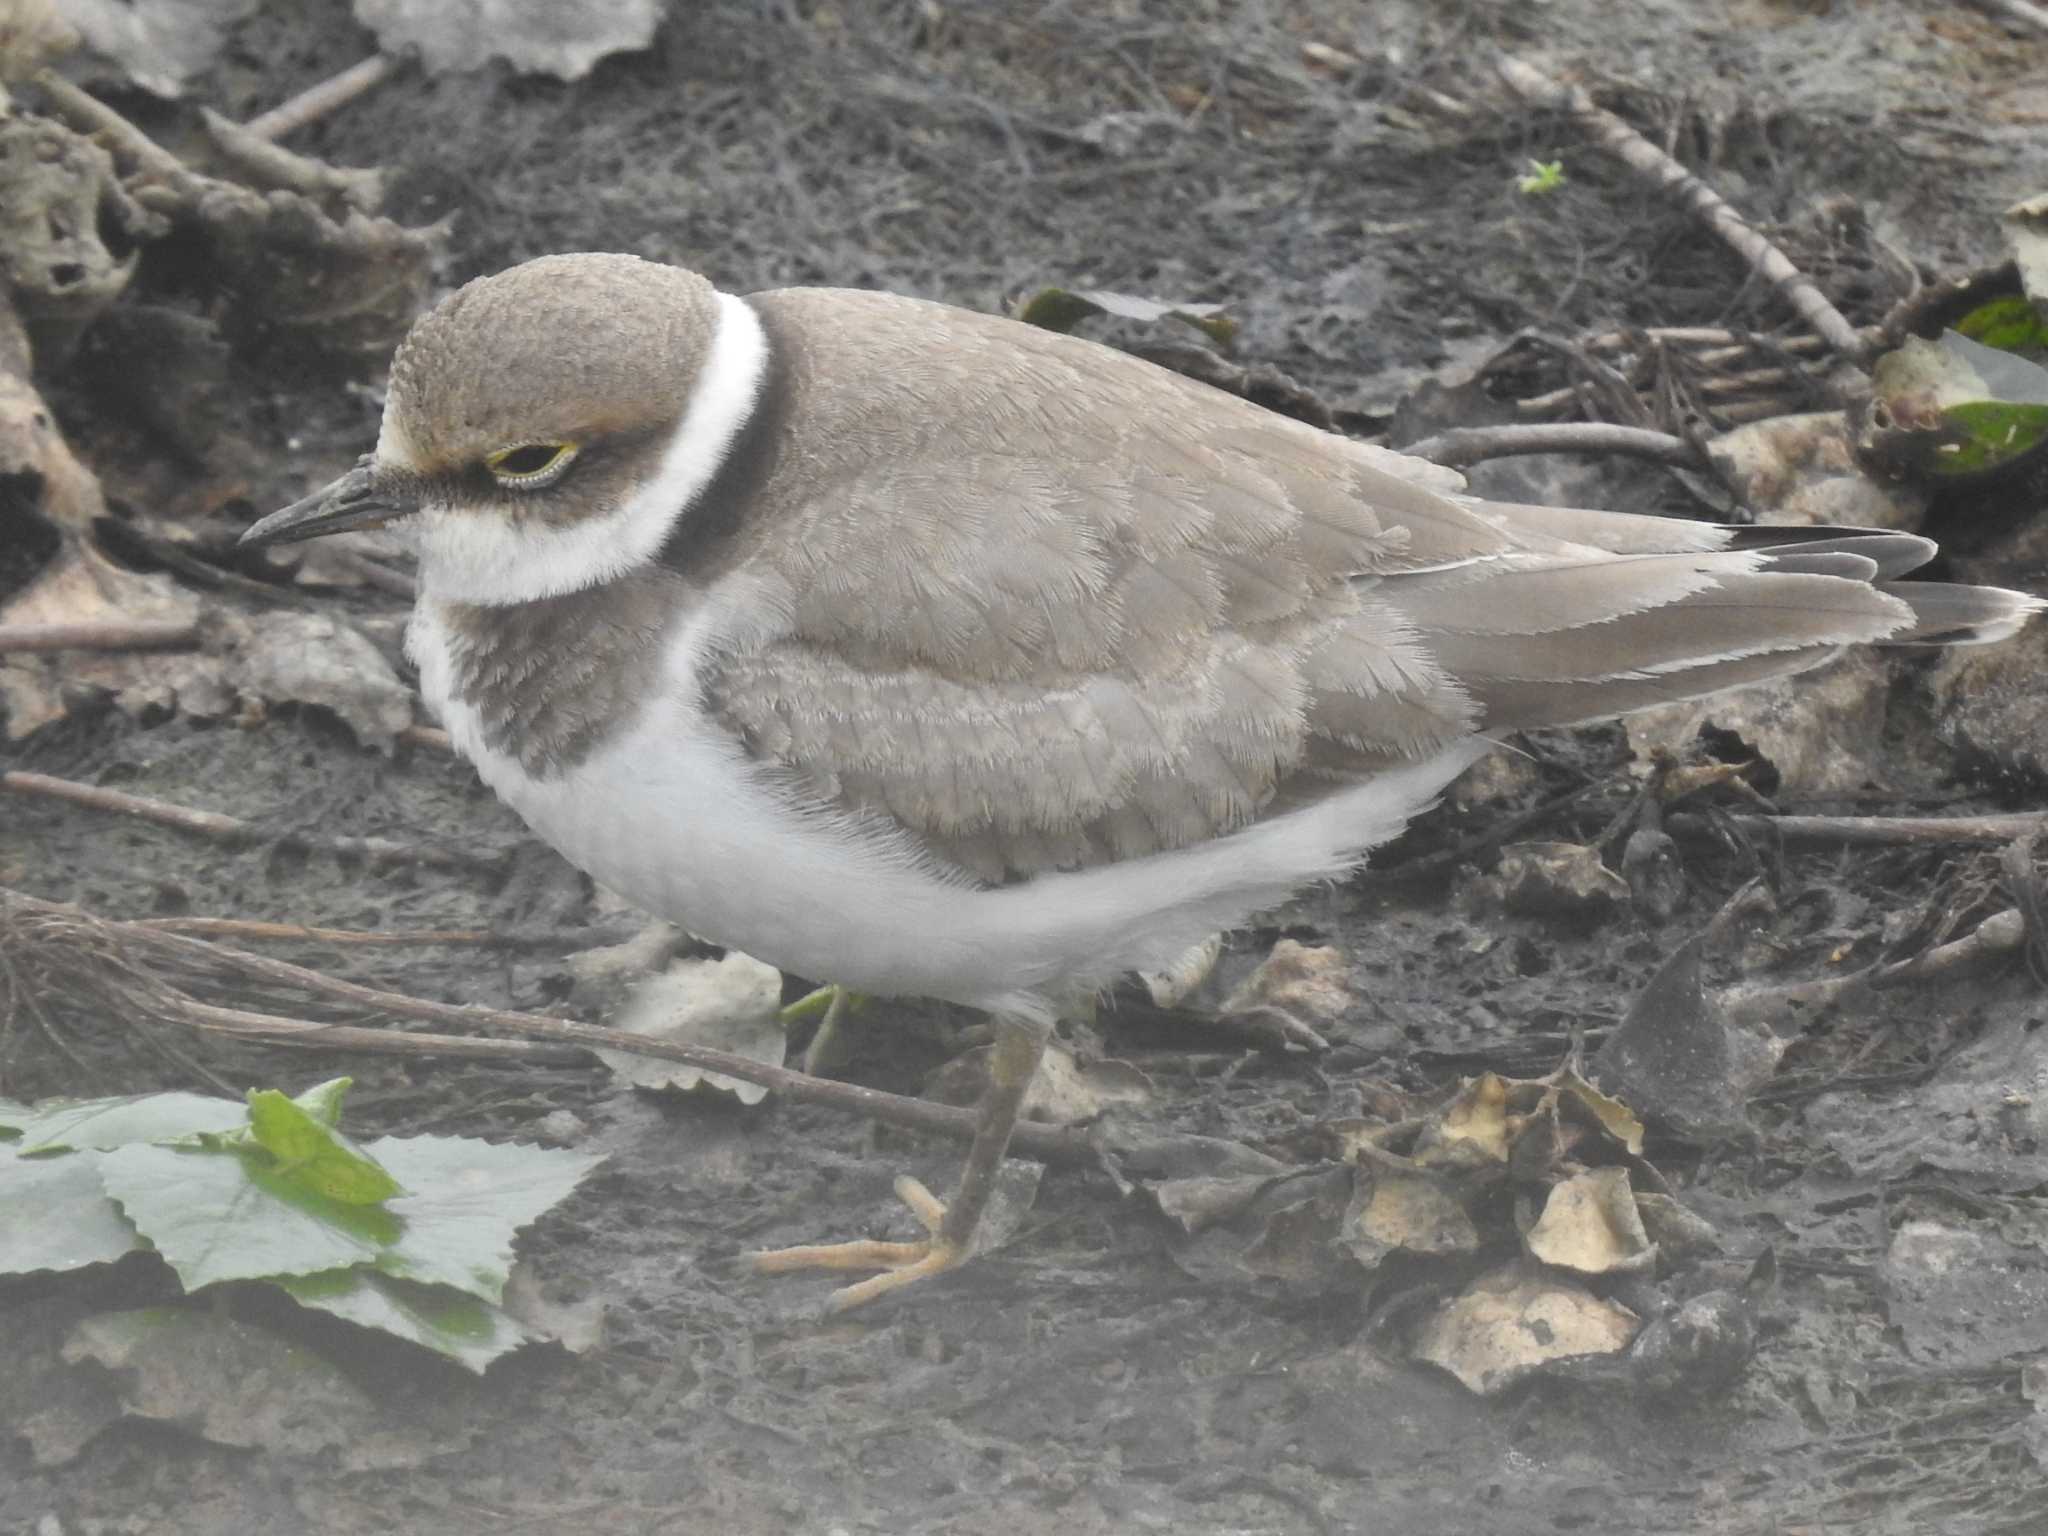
<point x="478" y="557"/>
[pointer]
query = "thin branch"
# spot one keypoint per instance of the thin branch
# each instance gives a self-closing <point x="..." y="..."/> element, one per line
<point x="223" y="828"/>
<point x="312" y="1034"/>
<point x="1048" y="1143"/>
<point x="432" y="737"/>
<point x="101" y="635"/>
<point x="317" y="101"/>
<point x="1468" y="445"/>
<point x="1637" y="152"/>
<point x="400" y="938"/>
<point x="1869" y="831"/>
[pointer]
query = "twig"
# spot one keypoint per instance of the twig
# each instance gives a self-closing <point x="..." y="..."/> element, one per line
<point x="312" y="1034"/>
<point x="1870" y="831"/>
<point x="1468" y="445"/>
<point x="402" y="938"/>
<point x="316" y="101"/>
<point x="101" y="635"/>
<point x="1995" y="938"/>
<point x="1640" y="154"/>
<point x="232" y="829"/>
<point x="432" y="737"/>
<point x="1049" y="1143"/>
<point x="91" y="116"/>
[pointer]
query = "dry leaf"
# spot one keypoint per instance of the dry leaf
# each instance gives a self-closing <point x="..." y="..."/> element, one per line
<point x="541" y="37"/>
<point x="1410" y="1212"/>
<point x="731" y="1004"/>
<point x="1513" y="1322"/>
<point x="1590" y="1224"/>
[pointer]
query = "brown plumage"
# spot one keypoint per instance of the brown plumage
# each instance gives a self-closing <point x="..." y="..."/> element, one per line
<point x="933" y="654"/>
<point x="1049" y="606"/>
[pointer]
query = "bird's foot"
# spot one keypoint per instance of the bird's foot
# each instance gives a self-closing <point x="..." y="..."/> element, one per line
<point x="901" y="1263"/>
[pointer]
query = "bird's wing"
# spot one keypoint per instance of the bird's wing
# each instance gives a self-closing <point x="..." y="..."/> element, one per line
<point x="1085" y="610"/>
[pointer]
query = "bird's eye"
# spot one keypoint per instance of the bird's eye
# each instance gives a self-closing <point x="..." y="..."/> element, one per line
<point x="530" y="465"/>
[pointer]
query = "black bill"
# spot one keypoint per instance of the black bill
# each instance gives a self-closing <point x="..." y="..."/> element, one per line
<point x="356" y="500"/>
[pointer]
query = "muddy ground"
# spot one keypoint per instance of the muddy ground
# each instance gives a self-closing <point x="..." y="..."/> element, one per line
<point x="1081" y="1380"/>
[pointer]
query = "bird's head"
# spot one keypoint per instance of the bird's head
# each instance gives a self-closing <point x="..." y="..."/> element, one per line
<point x="544" y="427"/>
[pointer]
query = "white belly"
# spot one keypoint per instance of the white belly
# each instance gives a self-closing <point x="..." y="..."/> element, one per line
<point x="673" y="816"/>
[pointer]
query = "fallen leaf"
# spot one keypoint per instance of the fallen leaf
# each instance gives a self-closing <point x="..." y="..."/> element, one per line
<point x="1511" y="1323"/>
<point x="1590" y="1224"/>
<point x="541" y="37"/>
<point x="731" y="1004"/>
<point x="1409" y="1212"/>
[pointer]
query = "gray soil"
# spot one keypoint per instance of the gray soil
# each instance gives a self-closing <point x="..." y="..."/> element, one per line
<point x="1081" y="1380"/>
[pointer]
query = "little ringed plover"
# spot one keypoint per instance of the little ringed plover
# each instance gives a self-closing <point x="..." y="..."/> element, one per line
<point x="934" y="654"/>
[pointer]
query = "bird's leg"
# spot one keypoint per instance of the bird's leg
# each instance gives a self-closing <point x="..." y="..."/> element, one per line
<point x="1019" y="1044"/>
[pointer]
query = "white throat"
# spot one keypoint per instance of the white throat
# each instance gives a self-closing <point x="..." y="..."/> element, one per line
<point x="476" y="557"/>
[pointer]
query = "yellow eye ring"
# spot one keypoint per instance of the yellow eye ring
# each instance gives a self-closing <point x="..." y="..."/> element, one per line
<point x="528" y="466"/>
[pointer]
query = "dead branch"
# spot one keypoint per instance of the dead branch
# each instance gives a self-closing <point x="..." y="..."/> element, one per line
<point x="1994" y="939"/>
<point x="311" y="1034"/>
<point x="101" y="635"/>
<point x="402" y="938"/>
<point x="1639" y="154"/>
<point x="379" y="851"/>
<point x="116" y="965"/>
<point x="1869" y="831"/>
<point x="317" y="101"/>
<point x="1468" y="445"/>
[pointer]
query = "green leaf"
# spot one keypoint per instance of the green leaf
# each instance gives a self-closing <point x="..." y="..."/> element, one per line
<point x="12" y="1117"/>
<point x="1994" y="432"/>
<point x="1545" y="176"/>
<point x="55" y="1216"/>
<point x="2008" y="323"/>
<point x="1957" y="407"/>
<point x="470" y="1332"/>
<point x="1061" y="309"/>
<point x="323" y="1100"/>
<point x="215" y="1214"/>
<point x="470" y="1199"/>
<point x="311" y="1152"/>
<point x="63" y="1125"/>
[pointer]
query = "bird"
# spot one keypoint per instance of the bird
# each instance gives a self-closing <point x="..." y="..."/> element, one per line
<point x="933" y="654"/>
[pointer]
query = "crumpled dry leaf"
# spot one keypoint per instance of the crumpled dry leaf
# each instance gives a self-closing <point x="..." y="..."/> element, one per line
<point x="1821" y="732"/>
<point x="732" y="1004"/>
<point x="1682" y="1235"/>
<point x="1284" y="1237"/>
<point x="1556" y="882"/>
<point x="1400" y="1211"/>
<point x="1473" y="1130"/>
<point x="1680" y="1059"/>
<point x="1590" y="1224"/>
<point x="1311" y="983"/>
<point x="1804" y="469"/>
<point x="317" y="658"/>
<point x="541" y="37"/>
<point x="1515" y="1321"/>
